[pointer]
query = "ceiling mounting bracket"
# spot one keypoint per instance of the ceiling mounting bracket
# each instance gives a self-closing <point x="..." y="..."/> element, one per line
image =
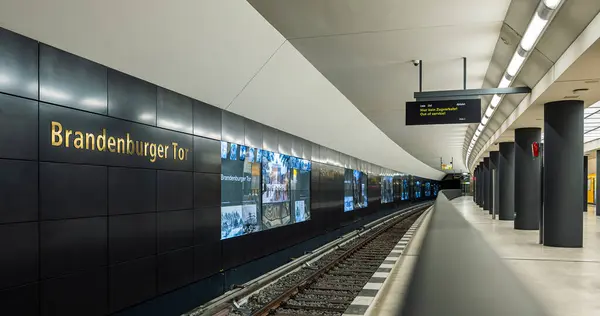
<point x="461" y="94"/>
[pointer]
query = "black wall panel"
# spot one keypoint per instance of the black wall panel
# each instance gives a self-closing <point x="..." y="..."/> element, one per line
<point x="76" y="294"/>
<point x="131" y="283"/>
<point x="18" y="191"/>
<point x="19" y="253"/>
<point x="285" y="143"/>
<point x="18" y="65"/>
<point x="175" y="269"/>
<point x="207" y="155"/>
<point x="175" y="190"/>
<point x="102" y="229"/>
<point x="131" y="98"/>
<point x="20" y="301"/>
<point x="175" y="230"/>
<point x="70" y="191"/>
<point x="207" y="225"/>
<point x="174" y="111"/>
<point x="207" y="190"/>
<point x="18" y="127"/>
<point x="253" y="134"/>
<point x="207" y="120"/>
<point x="72" y="81"/>
<point x="207" y="260"/>
<point x="68" y="246"/>
<point x="233" y="128"/>
<point x="131" y="191"/>
<point x="270" y="139"/>
<point x="131" y="237"/>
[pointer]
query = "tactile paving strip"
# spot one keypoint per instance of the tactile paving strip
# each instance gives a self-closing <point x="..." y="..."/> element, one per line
<point x="361" y="303"/>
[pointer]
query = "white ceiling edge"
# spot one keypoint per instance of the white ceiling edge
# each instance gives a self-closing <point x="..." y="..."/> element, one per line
<point x="593" y="145"/>
<point x="583" y="42"/>
<point x="210" y="50"/>
<point x="290" y="94"/>
<point x="207" y="50"/>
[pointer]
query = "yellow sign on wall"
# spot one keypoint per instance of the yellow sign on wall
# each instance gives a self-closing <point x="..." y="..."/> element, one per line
<point x="120" y="145"/>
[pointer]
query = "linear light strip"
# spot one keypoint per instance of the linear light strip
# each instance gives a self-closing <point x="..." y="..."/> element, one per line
<point x="537" y="25"/>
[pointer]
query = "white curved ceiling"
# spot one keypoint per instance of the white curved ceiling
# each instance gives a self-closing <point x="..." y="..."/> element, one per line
<point x="365" y="49"/>
<point x="222" y="52"/>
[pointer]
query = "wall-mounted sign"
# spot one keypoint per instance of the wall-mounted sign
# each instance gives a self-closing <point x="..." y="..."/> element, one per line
<point x="443" y="112"/>
<point x="100" y="141"/>
<point x="73" y="136"/>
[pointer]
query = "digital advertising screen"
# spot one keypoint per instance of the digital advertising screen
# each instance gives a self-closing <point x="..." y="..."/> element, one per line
<point x="387" y="189"/>
<point x="397" y="191"/>
<point x="436" y="188"/>
<point x="355" y="190"/>
<point x="418" y="189"/>
<point x="276" y="195"/>
<point x="240" y="191"/>
<point x="348" y="190"/>
<point x="405" y="194"/>
<point x="427" y="189"/>
<point x="300" y="188"/>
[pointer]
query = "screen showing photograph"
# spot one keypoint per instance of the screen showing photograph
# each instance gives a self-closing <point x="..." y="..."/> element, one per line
<point x="387" y="189"/>
<point x="275" y="190"/>
<point x="418" y="189"/>
<point x="300" y="188"/>
<point x="355" y="190"/>
<point x="276" y="177"/>
<point x="405" y="190"/>
<point x="397" y="185"/>
<point x="243" y="150"/>
<point x="240" y="193"/>
<point x="275" y="215"/>
<point x="348" y="190"/>
<point x="427" y="189"/>
<point x="360" y="190"/>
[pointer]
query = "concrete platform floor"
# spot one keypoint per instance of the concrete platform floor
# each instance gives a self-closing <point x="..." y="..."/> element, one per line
<point x="565" y="280"/>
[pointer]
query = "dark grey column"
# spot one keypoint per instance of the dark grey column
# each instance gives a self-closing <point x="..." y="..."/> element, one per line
<point x="494" y="181"/>
<point x="597" y="186"/>
<point x="486" y="184"/>
<point x="478" y="179"/>
<point x="479" y="182"/>
<point x="506" y="182"/>
<point x="528" y="179"/>
<point x="563" y="173"/>
<point x="585" y="182"/>
<point x="482" y="186"/>
<point x="474" y="184"/>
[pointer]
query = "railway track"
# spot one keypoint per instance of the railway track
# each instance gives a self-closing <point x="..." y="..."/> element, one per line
<point x="329" y="285"/>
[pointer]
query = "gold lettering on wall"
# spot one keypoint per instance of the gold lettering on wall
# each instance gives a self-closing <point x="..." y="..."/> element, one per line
<point x="61" y="137"/>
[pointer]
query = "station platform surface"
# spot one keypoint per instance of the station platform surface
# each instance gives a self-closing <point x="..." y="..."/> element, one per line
<point x="565" y="280"/>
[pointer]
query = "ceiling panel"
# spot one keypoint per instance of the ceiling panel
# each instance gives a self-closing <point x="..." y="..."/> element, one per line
<point x="572" y="18"/>
<point x="365" y="49"/>
<point x="305" y="104"/>
<point x="311" y="18"/>
<point x="206" y="49"/>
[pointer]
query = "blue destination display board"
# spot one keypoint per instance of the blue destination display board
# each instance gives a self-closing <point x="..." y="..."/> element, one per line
<point x="443" y="112"/>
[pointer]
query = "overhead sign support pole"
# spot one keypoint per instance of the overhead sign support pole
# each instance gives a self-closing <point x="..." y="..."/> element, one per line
<point x="464" y="73"/>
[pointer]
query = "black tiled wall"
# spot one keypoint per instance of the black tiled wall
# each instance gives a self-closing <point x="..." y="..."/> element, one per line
<point x="89" y="232"/>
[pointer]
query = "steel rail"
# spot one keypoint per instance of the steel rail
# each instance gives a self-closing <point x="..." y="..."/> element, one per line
<point x="306" y="282"/>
